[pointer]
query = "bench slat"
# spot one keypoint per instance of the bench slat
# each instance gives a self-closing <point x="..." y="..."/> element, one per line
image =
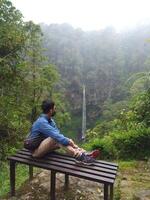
<point x="111" y="171"/>
<point x="98" y="161"/>
<point x="68" y="166"/>
<point x="66" y="157"/>
<point x="63" y="170"/>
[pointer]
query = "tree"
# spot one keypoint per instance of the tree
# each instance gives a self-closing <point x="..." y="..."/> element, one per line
<point x="26" y="78"/>
<point x="139" y="82"/>
<point x="12" y="40"/>
<point x="141" y="108"/>
<point x="40" y="77"/>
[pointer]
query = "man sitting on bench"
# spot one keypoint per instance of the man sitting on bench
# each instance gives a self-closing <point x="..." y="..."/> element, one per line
<point x="45" y="137"/>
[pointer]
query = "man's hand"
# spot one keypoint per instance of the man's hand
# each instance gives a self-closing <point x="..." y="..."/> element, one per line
<point x="71" y="143"/>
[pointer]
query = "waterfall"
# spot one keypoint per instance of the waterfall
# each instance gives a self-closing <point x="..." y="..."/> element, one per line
<point x="83" y="114"/>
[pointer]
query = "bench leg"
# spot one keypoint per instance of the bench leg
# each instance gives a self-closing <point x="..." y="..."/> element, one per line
<point x="53" y="183"/>
<point x="105" y="191"/>
<point x="111" y="191"/>
<point x="66" y="181"/>
<point x="30" y="172"/>
<point x="12" y="178"/>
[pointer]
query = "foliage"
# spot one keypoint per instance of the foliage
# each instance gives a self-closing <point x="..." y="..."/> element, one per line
<point x="26" y="77"/>
<point x="11" y="32"/>
<point x="22" y="172"/>
<point x="141" y="108"/>
<point x="12" y="37"/>
<point x="100" y="130"/>
<point x="71" y="127"/>
<point x="128" y="135"/>
<point x="139" y="82"/>
<point x="105" y="146"/>
<point x="112" y="110"/>
<point x="117" y="194"/>
<point x="63" y="117"/>
<point x="40" y="78"/>
<point x="132" y="144"/>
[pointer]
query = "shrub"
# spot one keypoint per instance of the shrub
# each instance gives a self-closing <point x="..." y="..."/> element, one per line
<point x="104" y="145"/>
<point x="141" y="108"/>
<point x="132" y="144"/>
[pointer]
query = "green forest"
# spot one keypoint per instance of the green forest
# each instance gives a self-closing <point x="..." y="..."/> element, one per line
<point x="39" y="61"/>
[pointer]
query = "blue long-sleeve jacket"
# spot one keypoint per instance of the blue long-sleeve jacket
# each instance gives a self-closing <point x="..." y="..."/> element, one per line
<point x="47" y="128"/>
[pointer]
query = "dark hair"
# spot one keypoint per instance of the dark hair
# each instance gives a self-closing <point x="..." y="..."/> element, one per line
<point x="47" y="105"/>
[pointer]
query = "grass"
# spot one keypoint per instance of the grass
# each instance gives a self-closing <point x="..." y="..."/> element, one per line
<point x="127" y="164"/>
<point x="134" y="177"/>
<point x="22" y="174"/>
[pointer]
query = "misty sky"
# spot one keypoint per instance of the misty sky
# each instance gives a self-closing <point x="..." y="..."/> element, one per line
<point x="87" y="14"/>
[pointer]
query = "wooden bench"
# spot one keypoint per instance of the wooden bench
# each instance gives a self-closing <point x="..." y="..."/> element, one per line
<point x="102" y="172"/>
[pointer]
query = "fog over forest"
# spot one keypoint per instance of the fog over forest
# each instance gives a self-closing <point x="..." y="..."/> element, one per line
<point x="102" y="60"/>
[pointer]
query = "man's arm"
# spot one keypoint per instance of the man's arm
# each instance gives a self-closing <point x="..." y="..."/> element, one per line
<point x="71" y="143"/>
<point x="50" y="131"/>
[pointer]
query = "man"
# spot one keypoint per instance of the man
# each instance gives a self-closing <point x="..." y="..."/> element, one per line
<point x="45" y="137"/>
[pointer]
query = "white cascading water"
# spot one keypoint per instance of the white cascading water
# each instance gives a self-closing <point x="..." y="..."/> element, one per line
<point x="83" y="114"/>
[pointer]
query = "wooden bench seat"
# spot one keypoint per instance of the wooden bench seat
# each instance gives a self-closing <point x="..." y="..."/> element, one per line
<point x="101" y="172"/>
